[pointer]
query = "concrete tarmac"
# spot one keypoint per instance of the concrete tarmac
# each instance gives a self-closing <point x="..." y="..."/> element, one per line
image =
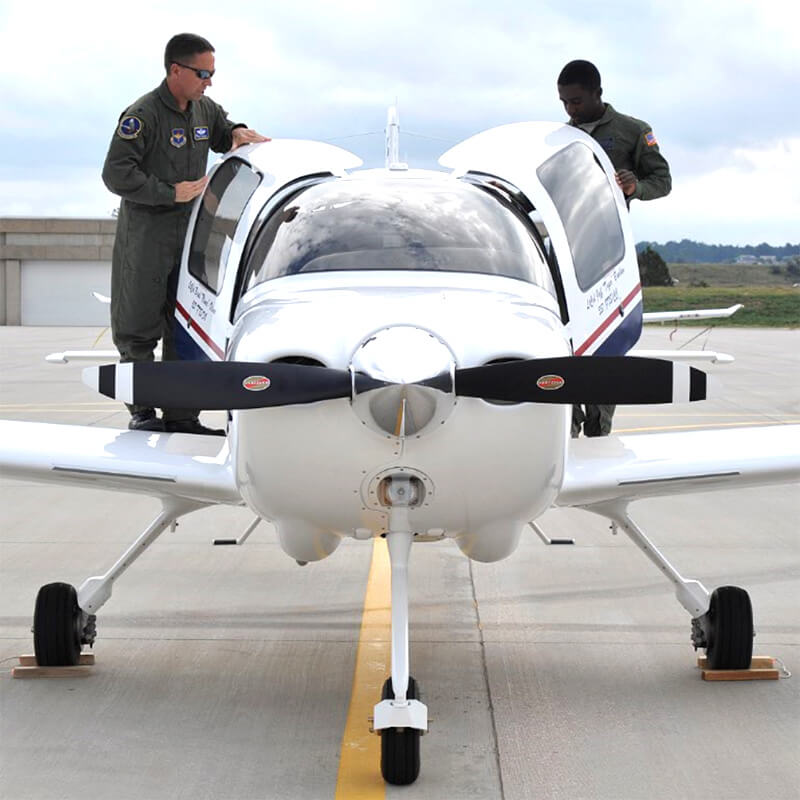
<point x="561" y="672"/>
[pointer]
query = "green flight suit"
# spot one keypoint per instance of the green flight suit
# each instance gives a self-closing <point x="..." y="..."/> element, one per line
<point x="629" y="144"/>
<point x="155" y="146"/>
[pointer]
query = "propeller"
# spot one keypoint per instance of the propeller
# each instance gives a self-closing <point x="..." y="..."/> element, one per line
<point x="240" y="385"/>
<point x="618" y="380"/>
<point x="214" y="385"/>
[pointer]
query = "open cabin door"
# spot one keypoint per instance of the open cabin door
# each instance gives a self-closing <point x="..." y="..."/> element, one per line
<point x="239" y="187"/>
<point x="569" y="180"/>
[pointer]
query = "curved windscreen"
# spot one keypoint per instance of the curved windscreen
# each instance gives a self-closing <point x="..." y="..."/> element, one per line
<point x="395" y="224"/>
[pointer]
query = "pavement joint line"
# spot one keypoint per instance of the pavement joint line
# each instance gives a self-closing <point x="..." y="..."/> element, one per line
<point x="486" y="680"/>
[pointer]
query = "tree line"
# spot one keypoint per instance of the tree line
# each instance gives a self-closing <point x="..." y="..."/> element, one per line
<point x="688" y="251"/>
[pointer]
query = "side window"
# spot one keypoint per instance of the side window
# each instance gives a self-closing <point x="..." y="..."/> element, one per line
<point x="585" y="202"/>
<point x="223" y="202"/>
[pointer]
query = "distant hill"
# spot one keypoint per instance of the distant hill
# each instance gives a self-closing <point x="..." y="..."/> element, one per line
<point x="687" y="251"/>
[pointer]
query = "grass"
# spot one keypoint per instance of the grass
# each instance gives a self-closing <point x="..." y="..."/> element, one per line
<point x="731" y="274"/>
<point x="764" y="306"/>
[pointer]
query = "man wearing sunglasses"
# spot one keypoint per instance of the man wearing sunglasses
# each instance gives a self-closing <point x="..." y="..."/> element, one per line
<point x="157" y="163"/>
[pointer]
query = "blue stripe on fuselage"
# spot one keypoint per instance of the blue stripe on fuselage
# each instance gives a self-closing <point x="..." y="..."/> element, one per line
<point x="625" y="336"/>
<point x="187" y="348"/>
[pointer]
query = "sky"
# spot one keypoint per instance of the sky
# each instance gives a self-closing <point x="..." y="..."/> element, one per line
<point x="718" y="81"/>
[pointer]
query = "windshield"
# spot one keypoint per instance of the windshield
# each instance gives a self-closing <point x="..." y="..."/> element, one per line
<point x="396" y="224"/>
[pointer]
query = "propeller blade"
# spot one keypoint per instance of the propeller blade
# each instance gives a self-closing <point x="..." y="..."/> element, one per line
<point x="214" y="385"/>
<point x="610" y="380"/>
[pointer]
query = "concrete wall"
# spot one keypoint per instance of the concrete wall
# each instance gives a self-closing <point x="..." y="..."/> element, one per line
<point x="50" y="267"/>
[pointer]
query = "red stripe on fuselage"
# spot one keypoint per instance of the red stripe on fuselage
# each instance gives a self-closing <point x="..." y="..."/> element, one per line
<point x="596" y="335"/>
<point x="200" y="332"/>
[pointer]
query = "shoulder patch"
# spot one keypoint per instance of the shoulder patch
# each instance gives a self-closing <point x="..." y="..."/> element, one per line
<point x="129" y="127"/>
<point x="650" y="139"/>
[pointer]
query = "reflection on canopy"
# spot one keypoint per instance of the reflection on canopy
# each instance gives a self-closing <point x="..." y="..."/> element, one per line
<point x="396" y="224"/>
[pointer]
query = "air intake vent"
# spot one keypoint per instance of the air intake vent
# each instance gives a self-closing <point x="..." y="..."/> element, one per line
<point x="304" y="361"/>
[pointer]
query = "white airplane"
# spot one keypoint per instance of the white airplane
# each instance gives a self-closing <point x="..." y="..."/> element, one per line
<point x="399" y="351"/>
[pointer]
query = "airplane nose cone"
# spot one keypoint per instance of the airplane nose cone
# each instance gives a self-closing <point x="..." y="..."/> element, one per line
<point x="420" y="369"/>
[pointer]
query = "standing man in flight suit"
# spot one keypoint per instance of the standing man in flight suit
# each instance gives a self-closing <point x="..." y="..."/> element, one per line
<point x="641" y="171"/>
<point x="157" y="163"/>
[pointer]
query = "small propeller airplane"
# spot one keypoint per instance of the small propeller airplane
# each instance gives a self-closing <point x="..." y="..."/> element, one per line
<point x="399" y="351"/>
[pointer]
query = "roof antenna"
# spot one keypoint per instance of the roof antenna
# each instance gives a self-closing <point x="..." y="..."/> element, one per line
<point x="393" y="140"/>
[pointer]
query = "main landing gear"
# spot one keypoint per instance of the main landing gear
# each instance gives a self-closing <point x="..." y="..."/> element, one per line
<point x="60" y="628"/>
<point x="726" y="629"/>
<point x="400" y="718"/>
<point x="65" y="618"/>
<point x="722" y="622"/>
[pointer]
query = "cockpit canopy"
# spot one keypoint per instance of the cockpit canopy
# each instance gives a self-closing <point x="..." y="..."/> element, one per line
<point x="395" y="224"/>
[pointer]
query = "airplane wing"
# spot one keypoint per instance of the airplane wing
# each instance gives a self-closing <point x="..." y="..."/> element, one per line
<point x="711" y="356"/>
<point x="156" y="464"/>
<point x="65" y="356"/>
<point x="692" y="313"/>
<point x="657" y="464"/>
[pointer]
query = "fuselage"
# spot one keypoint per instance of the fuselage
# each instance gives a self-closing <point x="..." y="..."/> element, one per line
<point x="392" y="273"/>
<point x="487" y="468"/>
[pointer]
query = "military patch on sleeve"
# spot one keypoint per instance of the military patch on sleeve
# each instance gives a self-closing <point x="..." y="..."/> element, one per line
<point x="177" y="137"/>
<point x="201" y="133"/>
<point x="650" y="139"/>
<point x="129" y="127"/>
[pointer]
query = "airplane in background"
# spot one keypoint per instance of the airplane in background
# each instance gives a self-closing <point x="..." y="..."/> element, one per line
<point x="399" y="351"/>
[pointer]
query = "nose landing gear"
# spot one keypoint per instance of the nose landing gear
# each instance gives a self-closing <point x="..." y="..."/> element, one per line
<point x="400" y="746"/>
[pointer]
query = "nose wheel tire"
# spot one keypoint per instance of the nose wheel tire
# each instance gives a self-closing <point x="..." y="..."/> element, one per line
<point x="57" y="626"/>
<point x="400" y="746"/>
<point x="730" y="629"/>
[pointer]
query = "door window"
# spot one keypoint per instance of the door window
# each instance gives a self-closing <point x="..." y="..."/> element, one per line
<point x="223" y="202"/>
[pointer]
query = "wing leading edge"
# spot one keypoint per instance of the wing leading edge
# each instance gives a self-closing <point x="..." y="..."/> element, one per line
<point x="658" y="464"/>
<point x="160" y="465"/>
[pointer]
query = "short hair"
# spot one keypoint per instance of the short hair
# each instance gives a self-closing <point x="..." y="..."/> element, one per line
<point x="584" y="73"/>
<point x="183" y="46"/>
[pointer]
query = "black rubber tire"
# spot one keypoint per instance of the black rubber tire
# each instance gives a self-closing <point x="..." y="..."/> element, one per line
<point x="730" y="629"/>
<point x="400" y="748"/>
<point x="56" y="626"/>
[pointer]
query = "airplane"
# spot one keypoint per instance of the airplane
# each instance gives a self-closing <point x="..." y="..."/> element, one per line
<point x="398" y="351"/>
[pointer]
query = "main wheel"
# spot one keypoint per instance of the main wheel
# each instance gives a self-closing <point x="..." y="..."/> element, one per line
<point x="400" y="746"/>
<point x="57" y="626"/>
<point x="730" y="629"/>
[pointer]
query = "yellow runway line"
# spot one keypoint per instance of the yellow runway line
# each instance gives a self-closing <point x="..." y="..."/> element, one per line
<point x="58" y="406"/>
<point x="705" y="426"/>
<point x="359" y="765"/>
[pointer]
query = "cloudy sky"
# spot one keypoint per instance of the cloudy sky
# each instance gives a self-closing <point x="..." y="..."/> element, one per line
<point x="718" y="80"/>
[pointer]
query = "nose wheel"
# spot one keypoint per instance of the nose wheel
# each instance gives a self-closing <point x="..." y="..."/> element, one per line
<point x="400" y="746"/>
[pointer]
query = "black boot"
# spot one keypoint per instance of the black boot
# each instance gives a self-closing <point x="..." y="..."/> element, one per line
<point x="191" y="426"/>
<point x="145" y="420"/>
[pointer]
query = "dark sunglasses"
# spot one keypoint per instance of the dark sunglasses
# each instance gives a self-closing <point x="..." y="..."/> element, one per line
<point x="203" y="74"/>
